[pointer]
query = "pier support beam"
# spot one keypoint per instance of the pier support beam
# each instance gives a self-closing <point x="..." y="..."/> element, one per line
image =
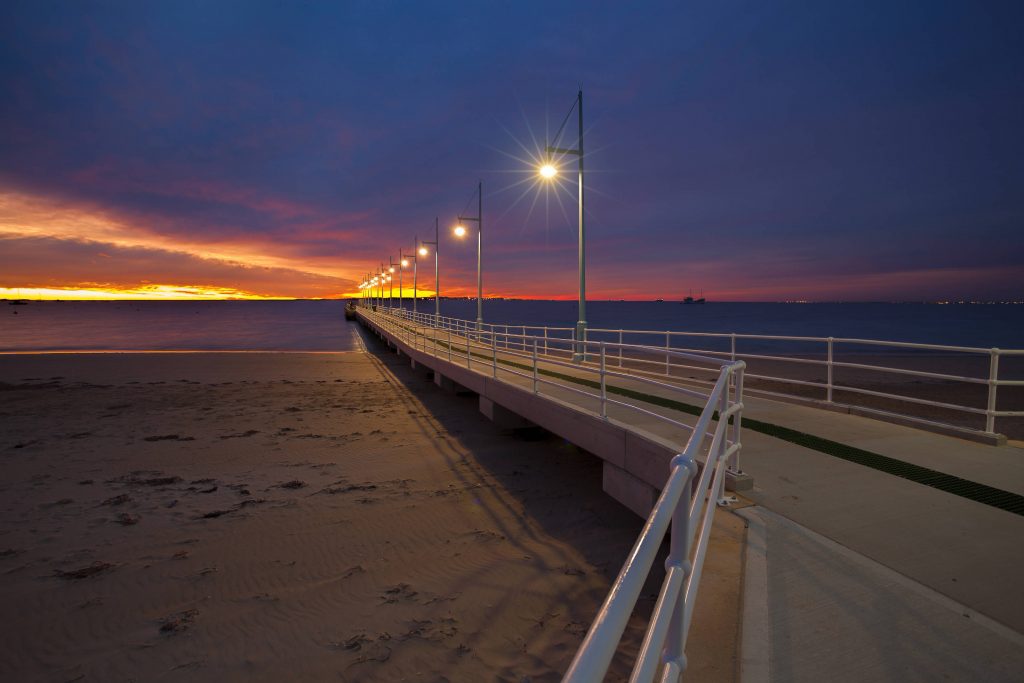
<point x="445" y="383"/>
<point x="502" y="417"/>
<point x="634" y="493"/>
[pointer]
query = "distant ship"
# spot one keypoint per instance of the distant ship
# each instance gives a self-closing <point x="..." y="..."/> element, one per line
<point x="691" y="300"/>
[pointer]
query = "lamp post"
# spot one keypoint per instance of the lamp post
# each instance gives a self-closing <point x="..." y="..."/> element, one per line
<point x="460" y="231"/>
<point x="415" y="268"/>
<point x="391" y="284"/>
<point x="548" y="171"/>
<point x="422" y="251"/>
<point x="402" y="263"/>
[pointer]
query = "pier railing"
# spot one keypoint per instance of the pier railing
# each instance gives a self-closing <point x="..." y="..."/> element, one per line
<point x="810" y="371"/>
<point x="688" y="498"/>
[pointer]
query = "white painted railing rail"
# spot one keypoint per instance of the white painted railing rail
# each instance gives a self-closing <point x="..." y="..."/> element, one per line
<point x="687" y="502"/>
<point x="820" y="352"/>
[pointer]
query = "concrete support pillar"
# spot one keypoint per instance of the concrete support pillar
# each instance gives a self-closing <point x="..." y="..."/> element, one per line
<point x="501" y="416"/>
<point x="636" y="494"/>
<point x="444" y="382"/>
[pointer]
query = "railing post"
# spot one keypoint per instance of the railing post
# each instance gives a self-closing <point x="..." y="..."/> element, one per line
<point x="604" y="387"/>
<point x="469" y="354"/>
<point x="679" y="556"/>
<point x="732" y="347"/>
<point x="668" y="342"/>
<point x="524" y="338"/>
<point x="449" y="345"/>
<point x="620" y="348"/>
<point x="993" y="384"/>
<point x="535" y="366"/>
<point x="737" y="397"/>
<point x="494" y="351"/>
<point x="828" y="394"/>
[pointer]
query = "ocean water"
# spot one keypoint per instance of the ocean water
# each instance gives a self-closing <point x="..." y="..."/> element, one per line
<point x="320" y="325"/>
<point x="176" y="325"/>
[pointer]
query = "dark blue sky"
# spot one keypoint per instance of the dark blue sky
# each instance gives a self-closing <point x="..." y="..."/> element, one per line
<point x="784" y="150"/>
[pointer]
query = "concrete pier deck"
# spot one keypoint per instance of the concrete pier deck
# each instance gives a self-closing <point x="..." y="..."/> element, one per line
<point x="866" y="557"/>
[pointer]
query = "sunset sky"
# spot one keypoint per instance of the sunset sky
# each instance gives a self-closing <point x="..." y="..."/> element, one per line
<point x="758" y="151"/>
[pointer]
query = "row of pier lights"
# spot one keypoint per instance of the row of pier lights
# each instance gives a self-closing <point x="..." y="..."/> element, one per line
<point x="376" y="284"/>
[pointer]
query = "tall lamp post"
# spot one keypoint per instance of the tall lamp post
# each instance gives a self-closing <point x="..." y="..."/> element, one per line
<point x="422" y="251"/>
<point x="415" y="268"/>
<point x="391" y="284"/>
<point x="460" y="231"/>
<point x="548" y="171"/>
<point x="402" y="263"/>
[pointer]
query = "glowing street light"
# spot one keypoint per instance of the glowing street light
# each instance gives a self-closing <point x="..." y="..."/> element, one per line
<point x="548" y="171"/>
<point x="460" y="231"/>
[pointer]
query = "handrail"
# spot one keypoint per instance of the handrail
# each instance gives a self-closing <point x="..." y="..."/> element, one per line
<point x="561" y="342"/>
<point x="689" y="508"/>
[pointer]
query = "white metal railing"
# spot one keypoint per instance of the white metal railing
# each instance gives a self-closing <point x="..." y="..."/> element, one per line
<point x="824" y="353"/>
<point x="686" y="503"/>
<point x="828" y="347"/>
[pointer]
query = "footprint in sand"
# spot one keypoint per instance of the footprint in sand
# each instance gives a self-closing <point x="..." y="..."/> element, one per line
<point x="401" y="592"/>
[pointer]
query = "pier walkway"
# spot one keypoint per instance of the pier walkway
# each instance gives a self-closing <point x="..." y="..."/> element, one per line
<point x="866" y="538"/>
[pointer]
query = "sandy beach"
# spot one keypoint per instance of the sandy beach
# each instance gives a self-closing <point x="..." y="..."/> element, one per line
<point x="256" y="516"/>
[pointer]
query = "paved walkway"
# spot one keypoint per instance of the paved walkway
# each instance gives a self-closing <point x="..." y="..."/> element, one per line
<point x="817" y="611"/>
<point x="884" y="548"/>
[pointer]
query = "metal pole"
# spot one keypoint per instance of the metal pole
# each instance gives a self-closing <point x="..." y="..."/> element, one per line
<point x="737" y="418"/>
<point x="679" y="559"/>
<point x="437" y="273"/>
<point x="535" y="365"/>
<point x="479" y="255"/>
<point x="401" y="292"/>
<point x="581" y="324"/>
<point x="993" y="378"/>
<point x="668" y="367"/>
<point x="828" y="395"/>
<point x="604" y="388"/>
<point x="391" y="284"/>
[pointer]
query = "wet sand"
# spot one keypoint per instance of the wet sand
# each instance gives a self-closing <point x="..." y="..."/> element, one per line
<point x="294" y="517"/>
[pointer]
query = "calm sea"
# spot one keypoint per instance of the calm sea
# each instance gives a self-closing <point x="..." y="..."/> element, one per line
<point x="320" y="325"/>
